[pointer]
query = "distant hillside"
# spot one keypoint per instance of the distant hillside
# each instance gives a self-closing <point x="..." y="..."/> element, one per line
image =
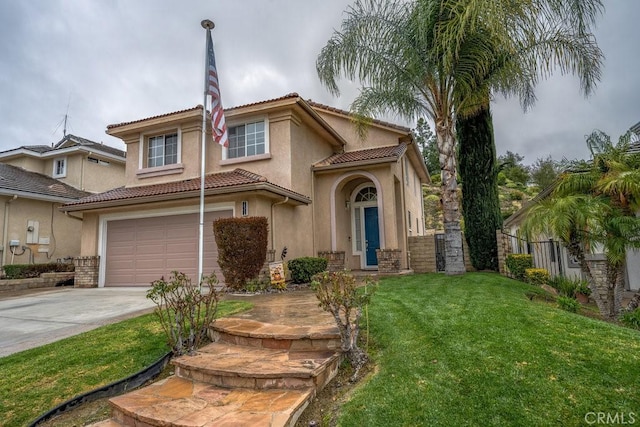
<point x="512" y="197"/>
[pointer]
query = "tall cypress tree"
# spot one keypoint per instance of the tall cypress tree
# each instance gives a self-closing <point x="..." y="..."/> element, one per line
<point x="479" y="176"/>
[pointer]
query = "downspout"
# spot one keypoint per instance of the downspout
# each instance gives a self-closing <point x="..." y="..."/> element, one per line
<point x="273" y="225"/>
<point x="5" y="228"/>
<point x="74" y="217"/>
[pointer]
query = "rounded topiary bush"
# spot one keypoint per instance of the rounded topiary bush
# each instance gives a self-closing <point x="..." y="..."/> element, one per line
<point x="303" y="269"/>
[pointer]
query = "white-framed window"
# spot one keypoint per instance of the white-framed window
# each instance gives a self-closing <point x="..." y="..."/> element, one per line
<point x="162" y="150"/>
<point x="248" y="139"/>
<point x="409" y="222"/>
<point x="245" y="208"/>
<point x="60" y="167"/>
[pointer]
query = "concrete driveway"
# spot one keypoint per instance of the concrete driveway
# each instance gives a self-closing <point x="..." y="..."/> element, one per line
<point x="31" y="319"/>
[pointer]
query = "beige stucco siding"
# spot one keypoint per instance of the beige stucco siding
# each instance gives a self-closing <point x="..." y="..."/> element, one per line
<point x="29" y="163"/>
<point x="189" y="160"/>
<point x="375" y="136"/>
<point x="100" y="177"/>
<point x="413" y="199"/>
<point x="56" y="237"/>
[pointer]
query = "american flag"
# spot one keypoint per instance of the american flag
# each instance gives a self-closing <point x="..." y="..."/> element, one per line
<point x="218" y="124"/>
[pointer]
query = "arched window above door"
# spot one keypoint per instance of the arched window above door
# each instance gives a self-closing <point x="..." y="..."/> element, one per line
<point x="367" y="194"/>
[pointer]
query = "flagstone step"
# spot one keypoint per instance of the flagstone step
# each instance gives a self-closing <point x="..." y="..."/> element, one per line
<point x="178" y="401"/>
<point x="254" y="333"/>
<point x="230" y="365"/>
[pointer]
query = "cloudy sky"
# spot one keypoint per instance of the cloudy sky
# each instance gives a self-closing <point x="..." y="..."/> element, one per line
<point x="108" y="61"/>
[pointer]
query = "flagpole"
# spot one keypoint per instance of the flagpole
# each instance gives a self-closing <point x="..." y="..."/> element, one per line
<point x="207" y="25"/>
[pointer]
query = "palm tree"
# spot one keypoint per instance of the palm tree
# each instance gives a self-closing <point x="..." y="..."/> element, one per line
<point x="594" y="208"/>
<point x="444" y="58"/>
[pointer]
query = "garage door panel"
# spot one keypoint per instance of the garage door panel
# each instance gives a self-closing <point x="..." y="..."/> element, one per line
<point x="142" y="250"/>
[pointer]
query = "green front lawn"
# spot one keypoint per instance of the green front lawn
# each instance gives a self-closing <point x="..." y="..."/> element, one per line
<point x="474" y="350"/>
<point x="34" y="381"/>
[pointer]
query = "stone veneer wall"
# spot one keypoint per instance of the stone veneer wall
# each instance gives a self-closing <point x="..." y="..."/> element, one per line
<point x="264" y="273"/>
<point x="504" y="249"/>
<point x="46" y="280"/>
<point x="423" y="254"/>
<point x="598" y="266"/>
<point x="86" y="271"/>
<point x="388" y="260"/>
<point x="335" y="259"/>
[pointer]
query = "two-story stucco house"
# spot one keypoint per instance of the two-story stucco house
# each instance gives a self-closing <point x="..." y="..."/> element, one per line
<point x="36" y="180"/>
<point x="300" y="164"/>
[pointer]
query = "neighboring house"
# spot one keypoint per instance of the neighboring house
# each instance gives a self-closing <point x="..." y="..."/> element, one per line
<point x="554" y="257"/>
<point x="36" y="180"/>
<point x="300" y="164"/>
<point x="79" y="162"/>
<point x="33" y="228"/>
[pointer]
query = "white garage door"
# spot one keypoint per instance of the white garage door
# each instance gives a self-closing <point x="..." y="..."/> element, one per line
<point x="142" y="250"/>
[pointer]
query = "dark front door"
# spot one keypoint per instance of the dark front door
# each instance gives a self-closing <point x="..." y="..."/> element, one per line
<point x="371" y="235"/>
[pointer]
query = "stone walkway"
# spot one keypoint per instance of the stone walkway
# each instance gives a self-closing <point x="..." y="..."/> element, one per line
<point x="262" y="369"/>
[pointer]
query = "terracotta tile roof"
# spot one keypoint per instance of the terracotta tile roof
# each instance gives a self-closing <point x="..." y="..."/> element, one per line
<point x="235" y="178"/>
<point x="252" y="104"/>
<point x="115" y="125"/>
<point x="391" y="152"/>
<point x="348" y="114"/>
<point x="287" y="96"/>
<point x="17" y="180"/>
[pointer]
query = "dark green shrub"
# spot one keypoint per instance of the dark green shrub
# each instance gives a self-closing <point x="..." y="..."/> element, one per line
<point x="536" y="276"/>
<point x="242" y="248"/>
<point x="568" y="304"/>
<point x="27" y="271"/>
<point x="479" y="182"/>
<point x="631" y="318"/>
<point x="303" y="269"/>
<point x="518" y="264"/>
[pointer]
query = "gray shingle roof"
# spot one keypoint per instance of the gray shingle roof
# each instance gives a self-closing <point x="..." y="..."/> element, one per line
<point x="72" y="140"/>
<point x="14" y="179"/>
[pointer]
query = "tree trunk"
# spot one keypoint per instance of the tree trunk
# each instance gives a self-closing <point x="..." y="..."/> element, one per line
<point x="479" y="175"/>
<point x="454" y="256"/>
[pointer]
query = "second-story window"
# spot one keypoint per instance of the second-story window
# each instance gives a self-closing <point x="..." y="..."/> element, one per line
<point x="247" y="140"/>
<point x="162" y="150"/>
<point x="60" y="167"/>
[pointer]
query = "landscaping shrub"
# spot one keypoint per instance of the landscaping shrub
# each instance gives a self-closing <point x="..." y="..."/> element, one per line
<point x="184" y="311"/>
<point x="631" y="318"/>
<point x="303" y="269"/>
<point x="242" y="248"/>
<point x="537" y="276"/>
<point x="27" y="271"/>
<point x="568" y="304"/>
<point x="569" y="287"/>
<point x="339" y="295"/>
<point x="518" y="263"/>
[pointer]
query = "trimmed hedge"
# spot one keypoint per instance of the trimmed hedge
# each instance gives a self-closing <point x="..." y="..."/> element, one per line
<point x="518" y="264"/>
<point x="242" y="248"/>
<point x="27" y="271"/>
<point x="537" y="276"/>
<point x="303" y="269"/>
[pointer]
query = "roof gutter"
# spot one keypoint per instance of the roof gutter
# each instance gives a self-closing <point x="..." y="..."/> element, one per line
<point x="36" y="196"/>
